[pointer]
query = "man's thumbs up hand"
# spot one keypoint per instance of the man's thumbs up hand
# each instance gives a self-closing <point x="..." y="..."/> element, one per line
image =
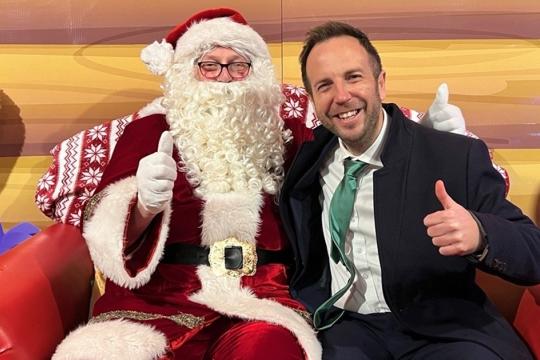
<point x="444" y="116"/>
<point x="452" y="229"/>
<point x="155" y="177"/>
<point x="446" y="201"/>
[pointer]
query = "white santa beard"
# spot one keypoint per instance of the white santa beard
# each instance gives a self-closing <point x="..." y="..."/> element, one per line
<point x="229" y="134"/>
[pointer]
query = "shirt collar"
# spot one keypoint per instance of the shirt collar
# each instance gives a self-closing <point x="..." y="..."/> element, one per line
<point x="372" y="155"/>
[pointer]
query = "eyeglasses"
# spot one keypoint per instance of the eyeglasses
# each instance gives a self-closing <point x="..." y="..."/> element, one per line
<point x="211" y="69"/>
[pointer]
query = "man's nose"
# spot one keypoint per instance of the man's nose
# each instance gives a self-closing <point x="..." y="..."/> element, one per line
<point x="224" y="76"/>
<point x="342" y="94"/>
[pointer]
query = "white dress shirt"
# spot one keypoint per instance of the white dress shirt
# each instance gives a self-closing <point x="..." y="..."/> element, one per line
<point x="365" y="295"/>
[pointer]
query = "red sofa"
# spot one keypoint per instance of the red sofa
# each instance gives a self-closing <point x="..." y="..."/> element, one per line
<point x="46" y="285"/>
<point x="527" y="319"/>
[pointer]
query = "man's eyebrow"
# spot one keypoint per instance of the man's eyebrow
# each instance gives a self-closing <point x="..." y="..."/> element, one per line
<point x="327" y="80"/>
<point x="352" y="71"/>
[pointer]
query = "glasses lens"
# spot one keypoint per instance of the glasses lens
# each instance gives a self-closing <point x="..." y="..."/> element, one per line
<point x="238" y="69"/>
<point x="210" y="69"/>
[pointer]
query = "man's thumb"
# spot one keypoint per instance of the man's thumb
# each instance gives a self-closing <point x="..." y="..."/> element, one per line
<point x="441" y="98"/>
<point x="166" y="143"/>
<point x="443" y="197"/>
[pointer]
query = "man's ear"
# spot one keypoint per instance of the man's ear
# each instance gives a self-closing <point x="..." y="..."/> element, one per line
<point x="381" y="84"/>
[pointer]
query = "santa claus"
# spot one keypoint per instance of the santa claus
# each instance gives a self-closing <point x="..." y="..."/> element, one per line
<point x="183" y="223"/>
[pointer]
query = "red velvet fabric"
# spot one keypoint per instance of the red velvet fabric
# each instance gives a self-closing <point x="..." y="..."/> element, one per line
<point x="209" y="14"/>
<point x="170" y="286"/>
<point x="255" y="340"/>
<point x="232" y="339"/>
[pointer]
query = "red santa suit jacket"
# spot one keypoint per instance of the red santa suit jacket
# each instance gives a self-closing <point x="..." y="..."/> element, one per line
<point x="181" y="300"/>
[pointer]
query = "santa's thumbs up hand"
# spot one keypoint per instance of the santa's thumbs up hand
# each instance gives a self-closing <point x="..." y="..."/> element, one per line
<point x="165" y="143"/>
<point x="155" y="177"/>
<point x="444" y="116"/>
<point x="452" y="229"/>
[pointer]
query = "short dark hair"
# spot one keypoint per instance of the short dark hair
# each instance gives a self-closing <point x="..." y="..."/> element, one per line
<point x="334" y="29"/>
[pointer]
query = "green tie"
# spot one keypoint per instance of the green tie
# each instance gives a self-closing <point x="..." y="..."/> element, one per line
<point x="341" y="208"/>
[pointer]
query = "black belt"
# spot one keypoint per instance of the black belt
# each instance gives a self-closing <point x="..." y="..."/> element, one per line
<point x="197" y="255"/>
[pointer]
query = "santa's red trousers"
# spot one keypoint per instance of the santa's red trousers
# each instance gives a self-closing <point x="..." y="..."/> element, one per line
<point x="231" y="339"/>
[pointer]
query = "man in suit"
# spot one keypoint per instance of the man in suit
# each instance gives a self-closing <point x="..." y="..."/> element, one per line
<point x="386" y="255"/>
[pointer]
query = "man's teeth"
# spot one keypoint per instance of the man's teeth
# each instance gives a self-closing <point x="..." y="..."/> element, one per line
<point x="348" y="114"/>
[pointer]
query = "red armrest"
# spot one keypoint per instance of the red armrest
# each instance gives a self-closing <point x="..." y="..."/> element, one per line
<point x="503" y="294"/>
<point x="520" y="306"/>
<point x="527" y="320"/>
<point x="45" y="287"/>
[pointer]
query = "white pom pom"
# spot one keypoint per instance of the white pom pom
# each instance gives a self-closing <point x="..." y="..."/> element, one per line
<point x="158" y="57"/>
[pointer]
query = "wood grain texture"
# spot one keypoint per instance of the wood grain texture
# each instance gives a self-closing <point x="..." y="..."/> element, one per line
<point x="67" y="65"/>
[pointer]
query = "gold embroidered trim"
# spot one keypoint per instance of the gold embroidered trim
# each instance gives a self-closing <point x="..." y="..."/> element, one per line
<point x="91" y="205"/>
<point x="183" y="319"/>
<point x="305" y="315"/>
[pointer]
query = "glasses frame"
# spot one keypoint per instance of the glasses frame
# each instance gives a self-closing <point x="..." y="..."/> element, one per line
<point x="221" y="69"/>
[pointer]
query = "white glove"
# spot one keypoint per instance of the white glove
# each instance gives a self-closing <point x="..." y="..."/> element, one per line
<point x="155" y="177"/>
<point x="444" y="116"/>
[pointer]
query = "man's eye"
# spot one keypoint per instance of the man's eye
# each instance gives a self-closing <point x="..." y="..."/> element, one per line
<point x="322" y="87"/>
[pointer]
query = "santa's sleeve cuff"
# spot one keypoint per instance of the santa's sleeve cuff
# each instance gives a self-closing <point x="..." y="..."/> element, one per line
<point x="105" y="233"/>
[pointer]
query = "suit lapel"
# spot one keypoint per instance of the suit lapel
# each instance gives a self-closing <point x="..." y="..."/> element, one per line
<point x="305" y="167"/>
<point x="389" y="184"/>
<point x="301" y="190"/>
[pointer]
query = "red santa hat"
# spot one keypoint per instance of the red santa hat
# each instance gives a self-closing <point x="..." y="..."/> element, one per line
<point x="201" y="32"/>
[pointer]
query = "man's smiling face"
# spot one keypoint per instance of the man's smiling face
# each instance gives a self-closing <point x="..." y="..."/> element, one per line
<point x="345" y="91"/>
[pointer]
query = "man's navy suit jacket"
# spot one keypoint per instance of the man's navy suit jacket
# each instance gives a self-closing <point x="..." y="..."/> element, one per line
<point x="429" y="293"/>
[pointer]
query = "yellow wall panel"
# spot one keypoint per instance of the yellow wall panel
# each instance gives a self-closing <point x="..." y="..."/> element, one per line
<point x="493" y="81"/>
<point x="19" y="178"/>
<point x="523" y="167"/>
<point x="61" y="89"/>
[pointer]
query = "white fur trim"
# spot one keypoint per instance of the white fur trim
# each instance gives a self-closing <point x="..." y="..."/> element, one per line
<point x="233" y="214"/>
<point x="104" y="234"/>
<point x="221" y="32"/>
<point x="158" y="57"/>
<point x="114" y="340"/>
<point x="154" y="107"/>
<point x="225" y="295"/>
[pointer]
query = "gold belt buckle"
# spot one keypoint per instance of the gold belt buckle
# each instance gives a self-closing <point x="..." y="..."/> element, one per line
<point x="216" y="257"/>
